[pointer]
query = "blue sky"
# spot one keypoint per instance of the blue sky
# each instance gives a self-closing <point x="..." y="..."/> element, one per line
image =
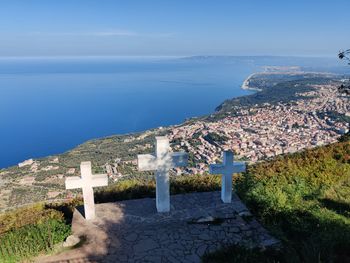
<point x="173" y="28"/>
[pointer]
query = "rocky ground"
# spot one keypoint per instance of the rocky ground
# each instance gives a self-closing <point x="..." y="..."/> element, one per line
<point x="132" y="231"/>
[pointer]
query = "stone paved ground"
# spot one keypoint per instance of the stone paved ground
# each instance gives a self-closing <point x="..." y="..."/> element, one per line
<point x="132" y="231"/>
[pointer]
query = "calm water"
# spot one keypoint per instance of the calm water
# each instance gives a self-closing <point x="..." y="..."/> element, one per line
<point x="48" y="106"/>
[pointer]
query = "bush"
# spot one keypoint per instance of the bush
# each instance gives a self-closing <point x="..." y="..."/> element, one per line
<point x="304" y="199"/>
<point x="30" y="215"/>
<point x="28" y="231"/>
<point x="30" y="240"/>
<point x="142" y="188"/>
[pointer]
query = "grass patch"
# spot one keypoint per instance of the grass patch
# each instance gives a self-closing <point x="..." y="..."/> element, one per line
<point x="30" y="240"/>
<point x="30" y="215"/>
<point x="304" y="200"/>
<point x="29" y="231"/>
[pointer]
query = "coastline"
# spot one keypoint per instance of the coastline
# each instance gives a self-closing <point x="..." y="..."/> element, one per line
<point x="246" y="83"/>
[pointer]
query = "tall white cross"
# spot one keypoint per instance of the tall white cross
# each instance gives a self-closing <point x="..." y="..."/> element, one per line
<point x="226" y="169"/>
<point x="162" y="162"/>
<point x="87" y="181"/>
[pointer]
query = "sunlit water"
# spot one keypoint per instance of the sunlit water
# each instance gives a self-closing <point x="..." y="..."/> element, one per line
<point x="48" y="106"/>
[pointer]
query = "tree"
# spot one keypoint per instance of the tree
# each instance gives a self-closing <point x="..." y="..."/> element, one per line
<point x="345" y="55"/>
<point x="345" y="88"/>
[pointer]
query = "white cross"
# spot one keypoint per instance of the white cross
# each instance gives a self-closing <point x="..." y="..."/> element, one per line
<point x="87" y="181"/>
<point x="226" y="170"/>
<point x="162" y="162"/>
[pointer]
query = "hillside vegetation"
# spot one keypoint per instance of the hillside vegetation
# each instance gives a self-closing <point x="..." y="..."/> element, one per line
<point x="303" y="199"/>
<point x="26" y="232"/>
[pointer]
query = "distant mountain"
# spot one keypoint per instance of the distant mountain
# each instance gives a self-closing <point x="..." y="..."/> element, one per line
<point x="320" y="64"/>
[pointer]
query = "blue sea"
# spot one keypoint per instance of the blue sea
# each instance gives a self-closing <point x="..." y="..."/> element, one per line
<point x="50" y="105"/>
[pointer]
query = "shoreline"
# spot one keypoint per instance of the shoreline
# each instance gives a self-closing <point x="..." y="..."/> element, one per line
<point x="246" y="84"/>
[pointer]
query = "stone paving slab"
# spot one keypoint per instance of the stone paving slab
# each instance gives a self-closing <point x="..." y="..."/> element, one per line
<point x="133" y="231"/>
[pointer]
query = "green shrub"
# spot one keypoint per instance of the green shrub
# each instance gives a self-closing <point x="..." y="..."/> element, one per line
<point x="142" y="188"/>
<point x="30" y="240"/>
<point x="304" y="199"/>
<point x="33" y="214"/>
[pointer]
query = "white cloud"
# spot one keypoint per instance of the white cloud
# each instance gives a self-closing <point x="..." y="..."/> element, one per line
<point x="107" y="33"/>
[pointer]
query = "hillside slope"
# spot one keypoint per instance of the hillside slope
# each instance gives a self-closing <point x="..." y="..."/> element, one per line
<point x="304" y="200"/>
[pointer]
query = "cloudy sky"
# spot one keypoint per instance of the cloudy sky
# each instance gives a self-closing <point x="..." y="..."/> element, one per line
<point x="173" y="28"/>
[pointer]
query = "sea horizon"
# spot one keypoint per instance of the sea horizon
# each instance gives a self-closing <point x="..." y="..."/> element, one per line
<point x="58" y="57"/>
<point x="83" y="99"/>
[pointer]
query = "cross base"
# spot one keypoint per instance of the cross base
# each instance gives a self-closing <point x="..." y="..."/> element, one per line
<point x="226" y="188"/>
<point x="162" y="192"/>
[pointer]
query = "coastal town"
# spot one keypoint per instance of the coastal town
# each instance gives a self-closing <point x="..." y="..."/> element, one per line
<point x="265" y="131"/>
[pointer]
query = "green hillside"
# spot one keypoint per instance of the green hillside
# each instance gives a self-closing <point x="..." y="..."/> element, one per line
<point x="303" y="199"/>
